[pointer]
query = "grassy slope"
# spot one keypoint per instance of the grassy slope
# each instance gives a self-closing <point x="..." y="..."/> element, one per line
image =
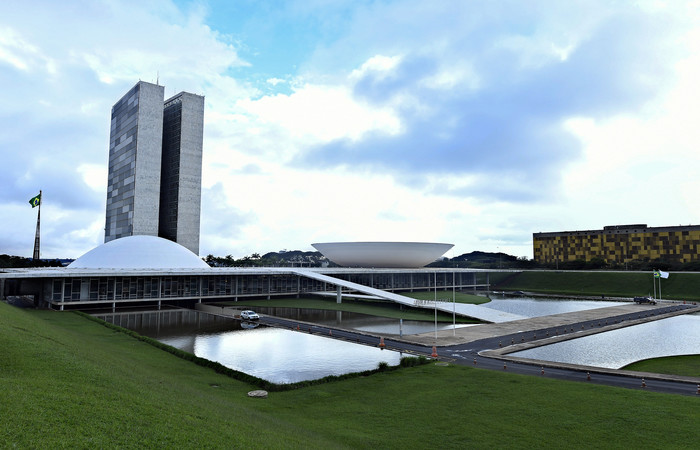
<point x="688" y="365"/>
<point x="69" y="382"/>
<point x="684" y="286"/>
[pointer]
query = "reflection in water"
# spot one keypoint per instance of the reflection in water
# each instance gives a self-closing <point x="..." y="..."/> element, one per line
<point x="530" y="307"/>
<point x="678" y="335"/>
<point x="279" y="356"/>
<point x="286" y="356"/>
<point x="358" y="321"/>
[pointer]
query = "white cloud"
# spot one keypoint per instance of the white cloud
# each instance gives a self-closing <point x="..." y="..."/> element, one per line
<point x="641" y="168"/>
<point x="321" y="113"/>
<point x="94" y="175"/>
<point x="412" y="89"/>
<point x="378" y="66"/>
<point x="21" y="54"/>
<point x="275" y="81"/>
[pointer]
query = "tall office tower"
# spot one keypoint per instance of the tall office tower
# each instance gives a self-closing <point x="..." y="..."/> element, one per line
<point x="133" y="182"/>
<point x="181" y="173"/>
<point x="155" y="166"/>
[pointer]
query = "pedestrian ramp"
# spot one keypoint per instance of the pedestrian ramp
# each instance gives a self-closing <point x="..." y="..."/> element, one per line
<point x="461" y="309"/>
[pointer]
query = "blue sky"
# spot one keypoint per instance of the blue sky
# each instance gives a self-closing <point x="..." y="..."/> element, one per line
<point x="473" y="123"/>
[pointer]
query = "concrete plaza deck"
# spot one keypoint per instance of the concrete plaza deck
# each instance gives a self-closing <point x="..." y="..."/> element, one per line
<point x="465" y="335"/>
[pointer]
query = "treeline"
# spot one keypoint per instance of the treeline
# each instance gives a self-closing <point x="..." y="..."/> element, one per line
<point x="284" y="258"/>
<point x="472" y="260"/>
<point x="483" y="260"/>
<point x="642" y="265"/>
<point x="9" y="261"/>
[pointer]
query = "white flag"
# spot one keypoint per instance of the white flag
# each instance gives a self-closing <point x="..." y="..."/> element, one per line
<point x="663" y="274"/>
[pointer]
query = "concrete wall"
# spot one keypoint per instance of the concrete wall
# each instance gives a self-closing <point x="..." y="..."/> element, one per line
<point x="190" y="192"/>
<point x="133" y="181"/>
<point x="147" y="170"/>
<point x="220" y="310"/>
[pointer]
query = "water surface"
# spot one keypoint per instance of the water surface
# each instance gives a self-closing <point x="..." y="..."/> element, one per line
<point x="531" y="307"/>
<point x="276" y="355"/>
<point x="358" y="321"/>
<point x="679" y="335"/>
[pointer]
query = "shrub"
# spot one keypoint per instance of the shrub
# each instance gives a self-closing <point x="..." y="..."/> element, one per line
<point x="410" y="361"/>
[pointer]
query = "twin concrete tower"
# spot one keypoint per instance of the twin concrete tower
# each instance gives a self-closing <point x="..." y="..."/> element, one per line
<point x="155" y="166"/>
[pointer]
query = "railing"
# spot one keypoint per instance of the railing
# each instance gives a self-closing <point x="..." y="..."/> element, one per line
<point x="432" y="302"/>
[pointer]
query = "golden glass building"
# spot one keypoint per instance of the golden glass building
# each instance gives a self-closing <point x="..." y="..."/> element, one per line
<point x="619" y="244"/>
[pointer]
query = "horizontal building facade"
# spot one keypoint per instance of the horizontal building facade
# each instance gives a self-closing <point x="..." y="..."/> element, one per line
<point x="73" y="288"/>
<point x="619" y="244"/>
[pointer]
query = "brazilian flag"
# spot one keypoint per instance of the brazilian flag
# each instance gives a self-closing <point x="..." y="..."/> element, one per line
<point x="35" y="201"/>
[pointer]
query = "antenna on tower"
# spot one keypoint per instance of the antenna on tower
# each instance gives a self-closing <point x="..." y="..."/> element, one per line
<point x="157" y="78"/>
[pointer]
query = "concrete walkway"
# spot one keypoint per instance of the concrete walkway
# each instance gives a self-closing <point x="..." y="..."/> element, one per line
<point x="477" y="332"/>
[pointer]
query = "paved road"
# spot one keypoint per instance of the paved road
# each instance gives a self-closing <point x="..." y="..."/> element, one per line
<point x="489" y="349"/>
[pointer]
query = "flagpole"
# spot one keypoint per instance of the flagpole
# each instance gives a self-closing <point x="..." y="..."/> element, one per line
<point x="659" y="285"/>
<point x="38" y="235"/>
<point x="654" y="280"/>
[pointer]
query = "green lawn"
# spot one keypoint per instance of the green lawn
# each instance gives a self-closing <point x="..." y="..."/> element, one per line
<point x="682" y="286"/>
<point x="688" y="365"/>
<point x="68" y="382"/>
<point x="460" y="297"/>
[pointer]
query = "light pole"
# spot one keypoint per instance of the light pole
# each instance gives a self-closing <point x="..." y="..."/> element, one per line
<point x="435" y="303"/>
<point x="454" y="324"/>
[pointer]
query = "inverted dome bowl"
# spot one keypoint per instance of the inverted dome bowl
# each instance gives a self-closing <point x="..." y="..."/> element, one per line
<point x="408" y="255"/>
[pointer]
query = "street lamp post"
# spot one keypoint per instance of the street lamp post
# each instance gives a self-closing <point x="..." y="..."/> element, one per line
<point x="454" y="324"/>
<point x="435" y="305"/>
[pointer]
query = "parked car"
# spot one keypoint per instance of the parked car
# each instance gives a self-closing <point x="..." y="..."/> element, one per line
<point x="640" y="300"/>
<point x="249" y="315"/>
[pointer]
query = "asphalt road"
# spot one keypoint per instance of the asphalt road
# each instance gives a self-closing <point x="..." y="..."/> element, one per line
<point x="474" y="353"/>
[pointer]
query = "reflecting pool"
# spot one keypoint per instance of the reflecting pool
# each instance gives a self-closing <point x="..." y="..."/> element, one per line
<point x="614" y="349"/>
<point x="531" y="307"/>
<point x="276" y="355"/>
<point x="678" y="335"/>
<point x="357" y="321"/>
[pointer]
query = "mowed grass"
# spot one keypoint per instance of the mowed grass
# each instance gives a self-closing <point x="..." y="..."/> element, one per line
<point x="680" y="286"/>
<point x="371" y="307"/>
<point x="687" y="365"/>
<point x="446" y="295"/>
<point x="69" y="382"/>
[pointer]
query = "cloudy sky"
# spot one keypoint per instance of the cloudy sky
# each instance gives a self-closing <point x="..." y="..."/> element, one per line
<point x="468" y="122"/>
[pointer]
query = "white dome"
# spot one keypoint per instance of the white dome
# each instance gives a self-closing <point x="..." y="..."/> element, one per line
<point x="139" y="252"/>
<point x="382" y="254"/>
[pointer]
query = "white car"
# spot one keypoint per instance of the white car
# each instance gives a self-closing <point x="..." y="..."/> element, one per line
<point x="249" y="315"/>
